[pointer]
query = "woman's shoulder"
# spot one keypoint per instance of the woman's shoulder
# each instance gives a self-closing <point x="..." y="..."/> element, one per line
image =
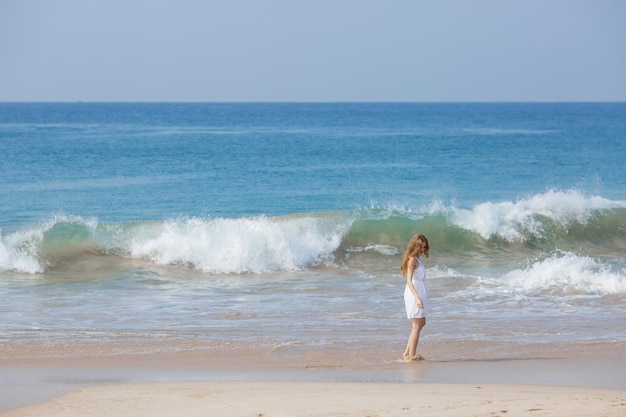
<point x="413" y="262"/>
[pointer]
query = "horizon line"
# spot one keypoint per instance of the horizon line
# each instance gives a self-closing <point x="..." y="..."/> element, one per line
<point x="312" y="102"/>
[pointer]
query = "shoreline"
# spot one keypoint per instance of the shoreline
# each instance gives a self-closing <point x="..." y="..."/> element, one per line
<point x="386" y="355"/>
<point x="32" y="375"/>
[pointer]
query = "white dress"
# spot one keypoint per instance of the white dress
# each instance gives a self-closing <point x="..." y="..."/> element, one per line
<point x="419" y="282"/>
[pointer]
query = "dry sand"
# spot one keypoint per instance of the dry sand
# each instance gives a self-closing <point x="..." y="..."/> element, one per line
<point x="293" y="399"/>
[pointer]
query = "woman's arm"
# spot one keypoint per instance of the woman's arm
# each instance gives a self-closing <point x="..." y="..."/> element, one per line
<point x="409" y="281"/>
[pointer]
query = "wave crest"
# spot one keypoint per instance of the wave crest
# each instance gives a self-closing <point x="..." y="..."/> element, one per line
<point x="526" y="217"/>
<point x="35" y="248"/>
<point x="257" y="245"/>
<point x="486" y="235"/>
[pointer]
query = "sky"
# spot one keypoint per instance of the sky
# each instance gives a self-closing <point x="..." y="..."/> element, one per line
<point x="312" y="50"/>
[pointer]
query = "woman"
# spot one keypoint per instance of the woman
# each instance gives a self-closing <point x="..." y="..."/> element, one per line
<point x="415" y="292"/>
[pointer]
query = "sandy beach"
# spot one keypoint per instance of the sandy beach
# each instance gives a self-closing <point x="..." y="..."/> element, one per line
<point x="585" y="380"/>
<point x="272" y="399"/>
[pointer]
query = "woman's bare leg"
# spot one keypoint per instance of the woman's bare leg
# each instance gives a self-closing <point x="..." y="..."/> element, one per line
<point x="411" y="346"/>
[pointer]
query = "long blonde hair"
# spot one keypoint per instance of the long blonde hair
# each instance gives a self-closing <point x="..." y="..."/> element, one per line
<point x="413" y="249"/>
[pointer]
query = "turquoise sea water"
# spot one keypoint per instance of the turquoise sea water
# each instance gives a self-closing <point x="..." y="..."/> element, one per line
<point x="216" y="221"/>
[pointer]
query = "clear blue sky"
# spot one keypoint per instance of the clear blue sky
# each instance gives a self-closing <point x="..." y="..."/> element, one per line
<point x="313" y="50"/>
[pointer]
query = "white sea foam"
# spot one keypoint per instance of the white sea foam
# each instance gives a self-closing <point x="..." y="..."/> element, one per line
<point x="438" y="271"/>
<point x="257" y="245"/>
<point x="382" y="249"/>
<point x="511" y="220"/>
<point x="568" y="273"/>
<point x="18" y="251"/>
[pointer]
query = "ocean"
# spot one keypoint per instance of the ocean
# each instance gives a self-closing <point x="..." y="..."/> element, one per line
<point x="282" y="225"/>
